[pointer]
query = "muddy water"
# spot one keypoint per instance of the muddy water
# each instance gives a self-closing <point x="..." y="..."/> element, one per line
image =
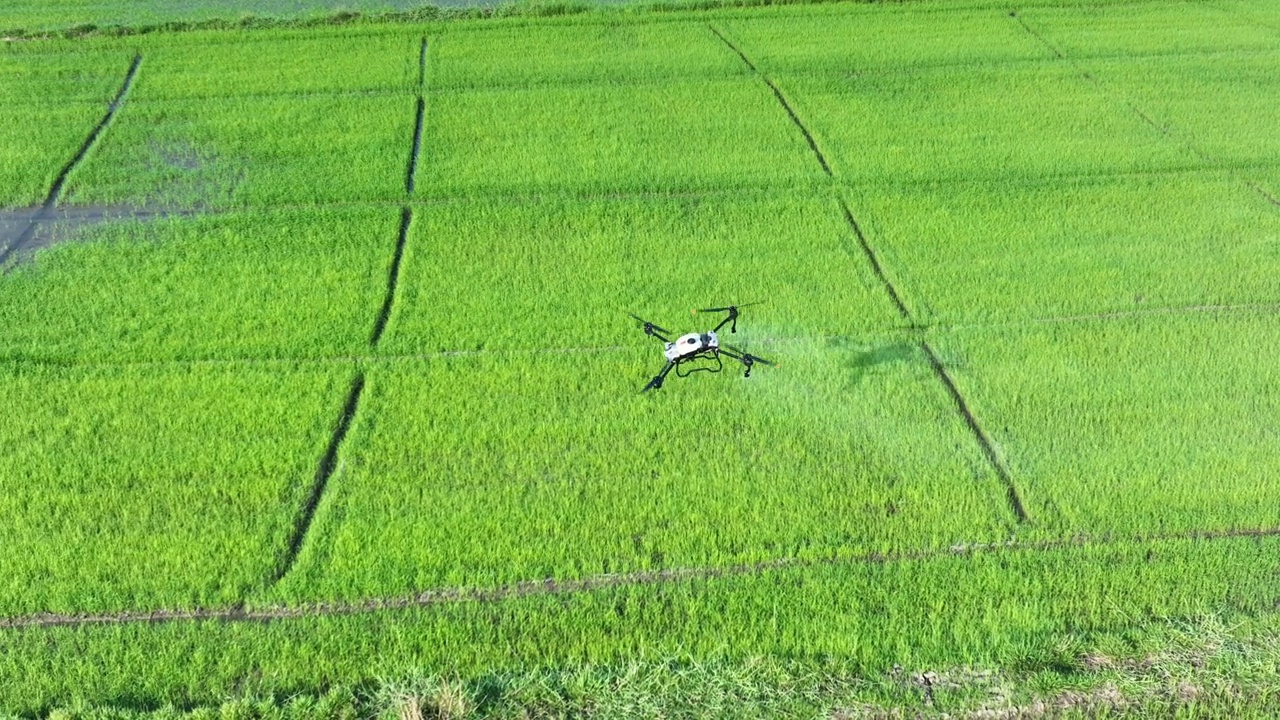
<point x="37" y="228"/>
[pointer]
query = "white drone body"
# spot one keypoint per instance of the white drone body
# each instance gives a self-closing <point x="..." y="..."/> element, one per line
<point x="693" y="352"/>
<point x="686" y="346"/>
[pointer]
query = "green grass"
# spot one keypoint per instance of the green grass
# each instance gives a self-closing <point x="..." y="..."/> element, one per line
<point x="1033" y="121"/>
<point x="274" y="284"/>
<point x="999" y="252"/>
<point x="1132" y="29"/>
<point x="523" y="55"/>
<point x="251" y="151"/>
<point x="564" y="274"/>
<point x="476" y="471"/>
<point x="857" y="41"/>
<point x="141" y="488"/>
<point x="227" y="64"/>
<point x="676" y="135"/>
<point x="1150" y="424"/>
<point x="1221" y="104"/>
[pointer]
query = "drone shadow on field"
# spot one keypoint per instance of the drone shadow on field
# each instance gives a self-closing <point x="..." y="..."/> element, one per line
<point x="857" y="361"/>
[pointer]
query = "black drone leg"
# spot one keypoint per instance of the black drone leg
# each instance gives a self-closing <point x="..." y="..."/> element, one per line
<point x="656" y="382"/>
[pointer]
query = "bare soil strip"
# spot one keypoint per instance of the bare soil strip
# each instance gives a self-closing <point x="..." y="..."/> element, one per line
<point x="935" y="362"/>
<point x="417" y="126"/>
<point x="782" y="100"/>
<point x="55" y="191"/>
<point x="875" y="262"/>
<point x="393" y="278"/>
<point x="1164" y="130"/>
<point x="422" y="65"/>
<point x="988" y="448"/>
<point x="417" y="147"/>
<point x="328" y="463"/>
<point x="551" y="586"/>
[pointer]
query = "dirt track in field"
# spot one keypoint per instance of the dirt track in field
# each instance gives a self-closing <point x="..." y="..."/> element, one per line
<point x="551" y="586"/>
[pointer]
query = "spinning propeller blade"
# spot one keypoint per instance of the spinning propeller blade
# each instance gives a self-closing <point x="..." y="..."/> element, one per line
<point x="754" y="358"/>
<point x="644" y="322"/>
<point x="727" y="309"/>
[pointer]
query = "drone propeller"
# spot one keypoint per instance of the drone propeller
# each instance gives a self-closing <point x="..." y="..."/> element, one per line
<point x="730" y="308"/>
<point x="748" y="359"/>
<point x="650" y="327"/>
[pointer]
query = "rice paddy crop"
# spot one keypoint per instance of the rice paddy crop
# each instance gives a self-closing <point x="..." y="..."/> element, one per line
<point x="478" y="471"/>
<point x="1035" y="121"/>
<point x="858" y="41"/>
<point x="677" y="135"/>
<point x="152" y="487"/>
<point x="1120" y="426"/>
<point x="1220" y="105"/>
<point x="987" y="609"/>
<point x="564" y="273"/>
<point x="329" y="368"/>
<point x="276" y="284"/>
<point x="982" y="252"/>
<point x="554" y="54"/>
<point x="252" y="151"/>
<point x="221" y="64"/>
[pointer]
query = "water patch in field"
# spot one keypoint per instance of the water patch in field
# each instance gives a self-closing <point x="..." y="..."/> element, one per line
<point x="25" y="231"/>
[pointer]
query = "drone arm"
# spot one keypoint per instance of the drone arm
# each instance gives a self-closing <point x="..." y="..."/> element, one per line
<point x="746" y="358"/>
<point x="651" y="330"/>
<point x="656" y="382"/>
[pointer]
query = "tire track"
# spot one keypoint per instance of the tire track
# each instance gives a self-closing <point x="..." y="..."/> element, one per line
<point x="410" y="176"/>
<point x="393" y="278"/>
<point x="59" y="183"/>
<point x="551" y="586"/>
<point x="1146" y="118"/>
<point x="988" y="448"/>
<point x="328" y="463"/>
<point x="962" y="406"/>
<point x="782" y="100"/>
<point x="874" y="261"/>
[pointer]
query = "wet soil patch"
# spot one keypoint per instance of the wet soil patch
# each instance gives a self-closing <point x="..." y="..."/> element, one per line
<point x="25" y="231"/>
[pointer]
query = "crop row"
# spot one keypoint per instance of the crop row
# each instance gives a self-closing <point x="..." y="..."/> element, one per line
<point x="141" y="487"/>
<point x="283" y="118"/>
<point x="980" y="610"/>
<point x="276" y="284"/>
<point x="487" y="469"/>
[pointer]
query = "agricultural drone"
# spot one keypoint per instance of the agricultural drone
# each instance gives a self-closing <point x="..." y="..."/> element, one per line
<point x="687" y="349"/>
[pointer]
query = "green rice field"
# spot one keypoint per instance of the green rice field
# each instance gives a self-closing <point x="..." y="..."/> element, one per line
<point x="318" y="371"/>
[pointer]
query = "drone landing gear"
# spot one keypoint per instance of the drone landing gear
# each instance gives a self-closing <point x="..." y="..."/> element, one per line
<point x="712" y="355"/>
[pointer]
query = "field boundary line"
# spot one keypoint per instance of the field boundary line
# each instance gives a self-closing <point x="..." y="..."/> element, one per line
<point x="980" y="433"/>
<point x="875" y="262"/>
<point x="328" y="464"/>
<point x="552" y="586"/>
<point x="59" y="182"/>
<point x="409" y="180"/>
<point x="1164" y="130"/>
<point x="393" y="278"/>
<point x="782" y="100"/>
<point x="349" y="359"/>
<point x="411" y="176"/>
